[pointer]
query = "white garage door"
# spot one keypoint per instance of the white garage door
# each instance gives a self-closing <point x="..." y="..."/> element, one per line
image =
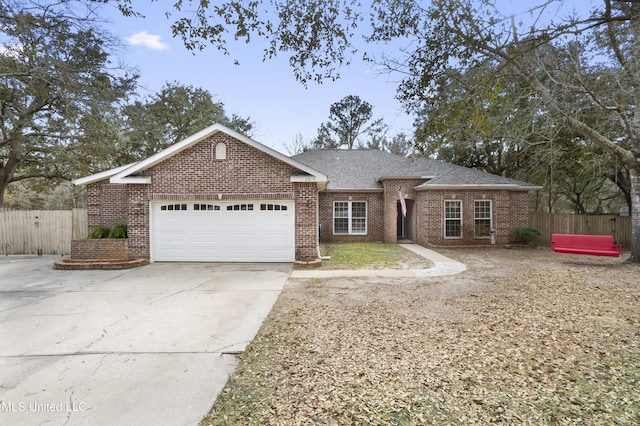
<point x="207" y="231"/>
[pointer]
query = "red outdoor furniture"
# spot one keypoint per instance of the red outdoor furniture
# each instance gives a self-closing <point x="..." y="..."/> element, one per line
<point x="593" y="245"/>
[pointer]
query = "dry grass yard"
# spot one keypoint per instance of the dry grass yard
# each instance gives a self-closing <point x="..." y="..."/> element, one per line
<point x="524" y="336"/>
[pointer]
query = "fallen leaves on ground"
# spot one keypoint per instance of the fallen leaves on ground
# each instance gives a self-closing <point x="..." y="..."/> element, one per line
<point x="522" y="337"/>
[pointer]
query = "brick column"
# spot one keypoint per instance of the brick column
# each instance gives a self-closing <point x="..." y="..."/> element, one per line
<point x="138" y="221"/>
<point x="306" y="221"/>
<point x="390" y="211"/>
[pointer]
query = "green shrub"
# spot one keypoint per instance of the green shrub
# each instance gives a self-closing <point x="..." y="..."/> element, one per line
<point x="526" y="234"/>
<point x="99" y="231"/>
<point x="119" y="230"/>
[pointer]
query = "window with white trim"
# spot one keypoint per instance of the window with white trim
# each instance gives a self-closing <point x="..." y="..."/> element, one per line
<point x="482" y="218"/>
<point x="350" y="217"/>
<point x="453" y="219"/>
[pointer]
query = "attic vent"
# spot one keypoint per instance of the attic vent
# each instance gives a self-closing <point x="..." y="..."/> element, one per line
<point x="220" y="151"/>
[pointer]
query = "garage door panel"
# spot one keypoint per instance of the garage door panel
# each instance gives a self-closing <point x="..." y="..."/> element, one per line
<point x="247" y="231"/>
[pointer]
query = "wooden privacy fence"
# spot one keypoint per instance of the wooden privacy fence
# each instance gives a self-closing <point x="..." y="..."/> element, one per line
<point x="41" y="231"/>
<point x="551" y="223"/>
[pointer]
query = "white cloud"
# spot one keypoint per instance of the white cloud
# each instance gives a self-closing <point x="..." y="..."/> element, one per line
<point x="144" y="39"/>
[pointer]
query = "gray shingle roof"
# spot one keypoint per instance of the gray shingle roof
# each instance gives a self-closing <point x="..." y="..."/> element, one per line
<point x="362" y="169"/>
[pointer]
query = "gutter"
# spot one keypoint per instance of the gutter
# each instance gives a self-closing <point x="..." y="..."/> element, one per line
<point x="504" y="187"/>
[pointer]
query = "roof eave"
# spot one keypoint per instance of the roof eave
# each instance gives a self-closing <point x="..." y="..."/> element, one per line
<point x="504" y="187"/>
<point x="101" y="176"/>
<point x="352" y="190"/>
<point x="321" y="182"/>
<point x="403" y="177"/>
<point x="139" y="180"/>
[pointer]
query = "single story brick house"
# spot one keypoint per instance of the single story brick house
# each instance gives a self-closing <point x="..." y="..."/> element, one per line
<point x="220" y="196"/>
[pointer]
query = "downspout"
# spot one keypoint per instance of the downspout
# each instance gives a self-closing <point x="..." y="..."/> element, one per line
<point x="318" y="225"/>
<point x="318" y="244"/>
<point x="322" y="257"/>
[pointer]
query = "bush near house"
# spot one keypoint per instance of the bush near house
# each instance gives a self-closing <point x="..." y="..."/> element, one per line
<point x="119" y="230"/>
<point x="526" y="234"/>
<point x="99" y="231"/>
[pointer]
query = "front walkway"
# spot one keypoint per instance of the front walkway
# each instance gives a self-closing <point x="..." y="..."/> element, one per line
<point x="442" y="266"/>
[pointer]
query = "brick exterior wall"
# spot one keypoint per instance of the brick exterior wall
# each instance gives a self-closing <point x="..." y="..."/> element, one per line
<point x="391" y="198"/>
<point x="106" y="204"/>
<point x="195" y="174"/>
<point x="138" y="221"/>
<point x="510" y="209"/>
<point x="425" y="218"/>
<point x="519" y="209"/>
<point x="306" y="220"/>
<point x="102" y="248"/>
<point x="375" y="216"/>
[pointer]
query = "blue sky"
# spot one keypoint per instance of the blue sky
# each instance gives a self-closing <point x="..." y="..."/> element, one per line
<point x="267" y="91"/>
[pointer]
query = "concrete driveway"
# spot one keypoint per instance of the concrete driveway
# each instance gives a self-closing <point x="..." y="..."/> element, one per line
<point x="153" y="345"/>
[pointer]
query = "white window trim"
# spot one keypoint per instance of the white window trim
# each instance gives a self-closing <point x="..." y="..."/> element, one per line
<point x="444" y="220"/>
<point x="482" y="237"/>
<point x="350" y="218"/>
<point x="220" y="151"/>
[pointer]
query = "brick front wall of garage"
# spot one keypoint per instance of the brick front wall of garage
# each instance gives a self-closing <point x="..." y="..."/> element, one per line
<point x="195" y="174"/>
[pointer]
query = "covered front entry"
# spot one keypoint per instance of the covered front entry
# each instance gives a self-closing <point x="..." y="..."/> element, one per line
<point x="405" y="224"/>
<point x="222" y="231"/>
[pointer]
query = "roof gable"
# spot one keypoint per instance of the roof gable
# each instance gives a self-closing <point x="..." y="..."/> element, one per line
<point x="131" y="172"/>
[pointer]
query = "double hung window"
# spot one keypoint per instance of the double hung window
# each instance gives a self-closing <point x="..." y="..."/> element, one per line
<point x="453" y="219"/>
<point x="350" y="217"/>
<point x="482" y="218"/>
